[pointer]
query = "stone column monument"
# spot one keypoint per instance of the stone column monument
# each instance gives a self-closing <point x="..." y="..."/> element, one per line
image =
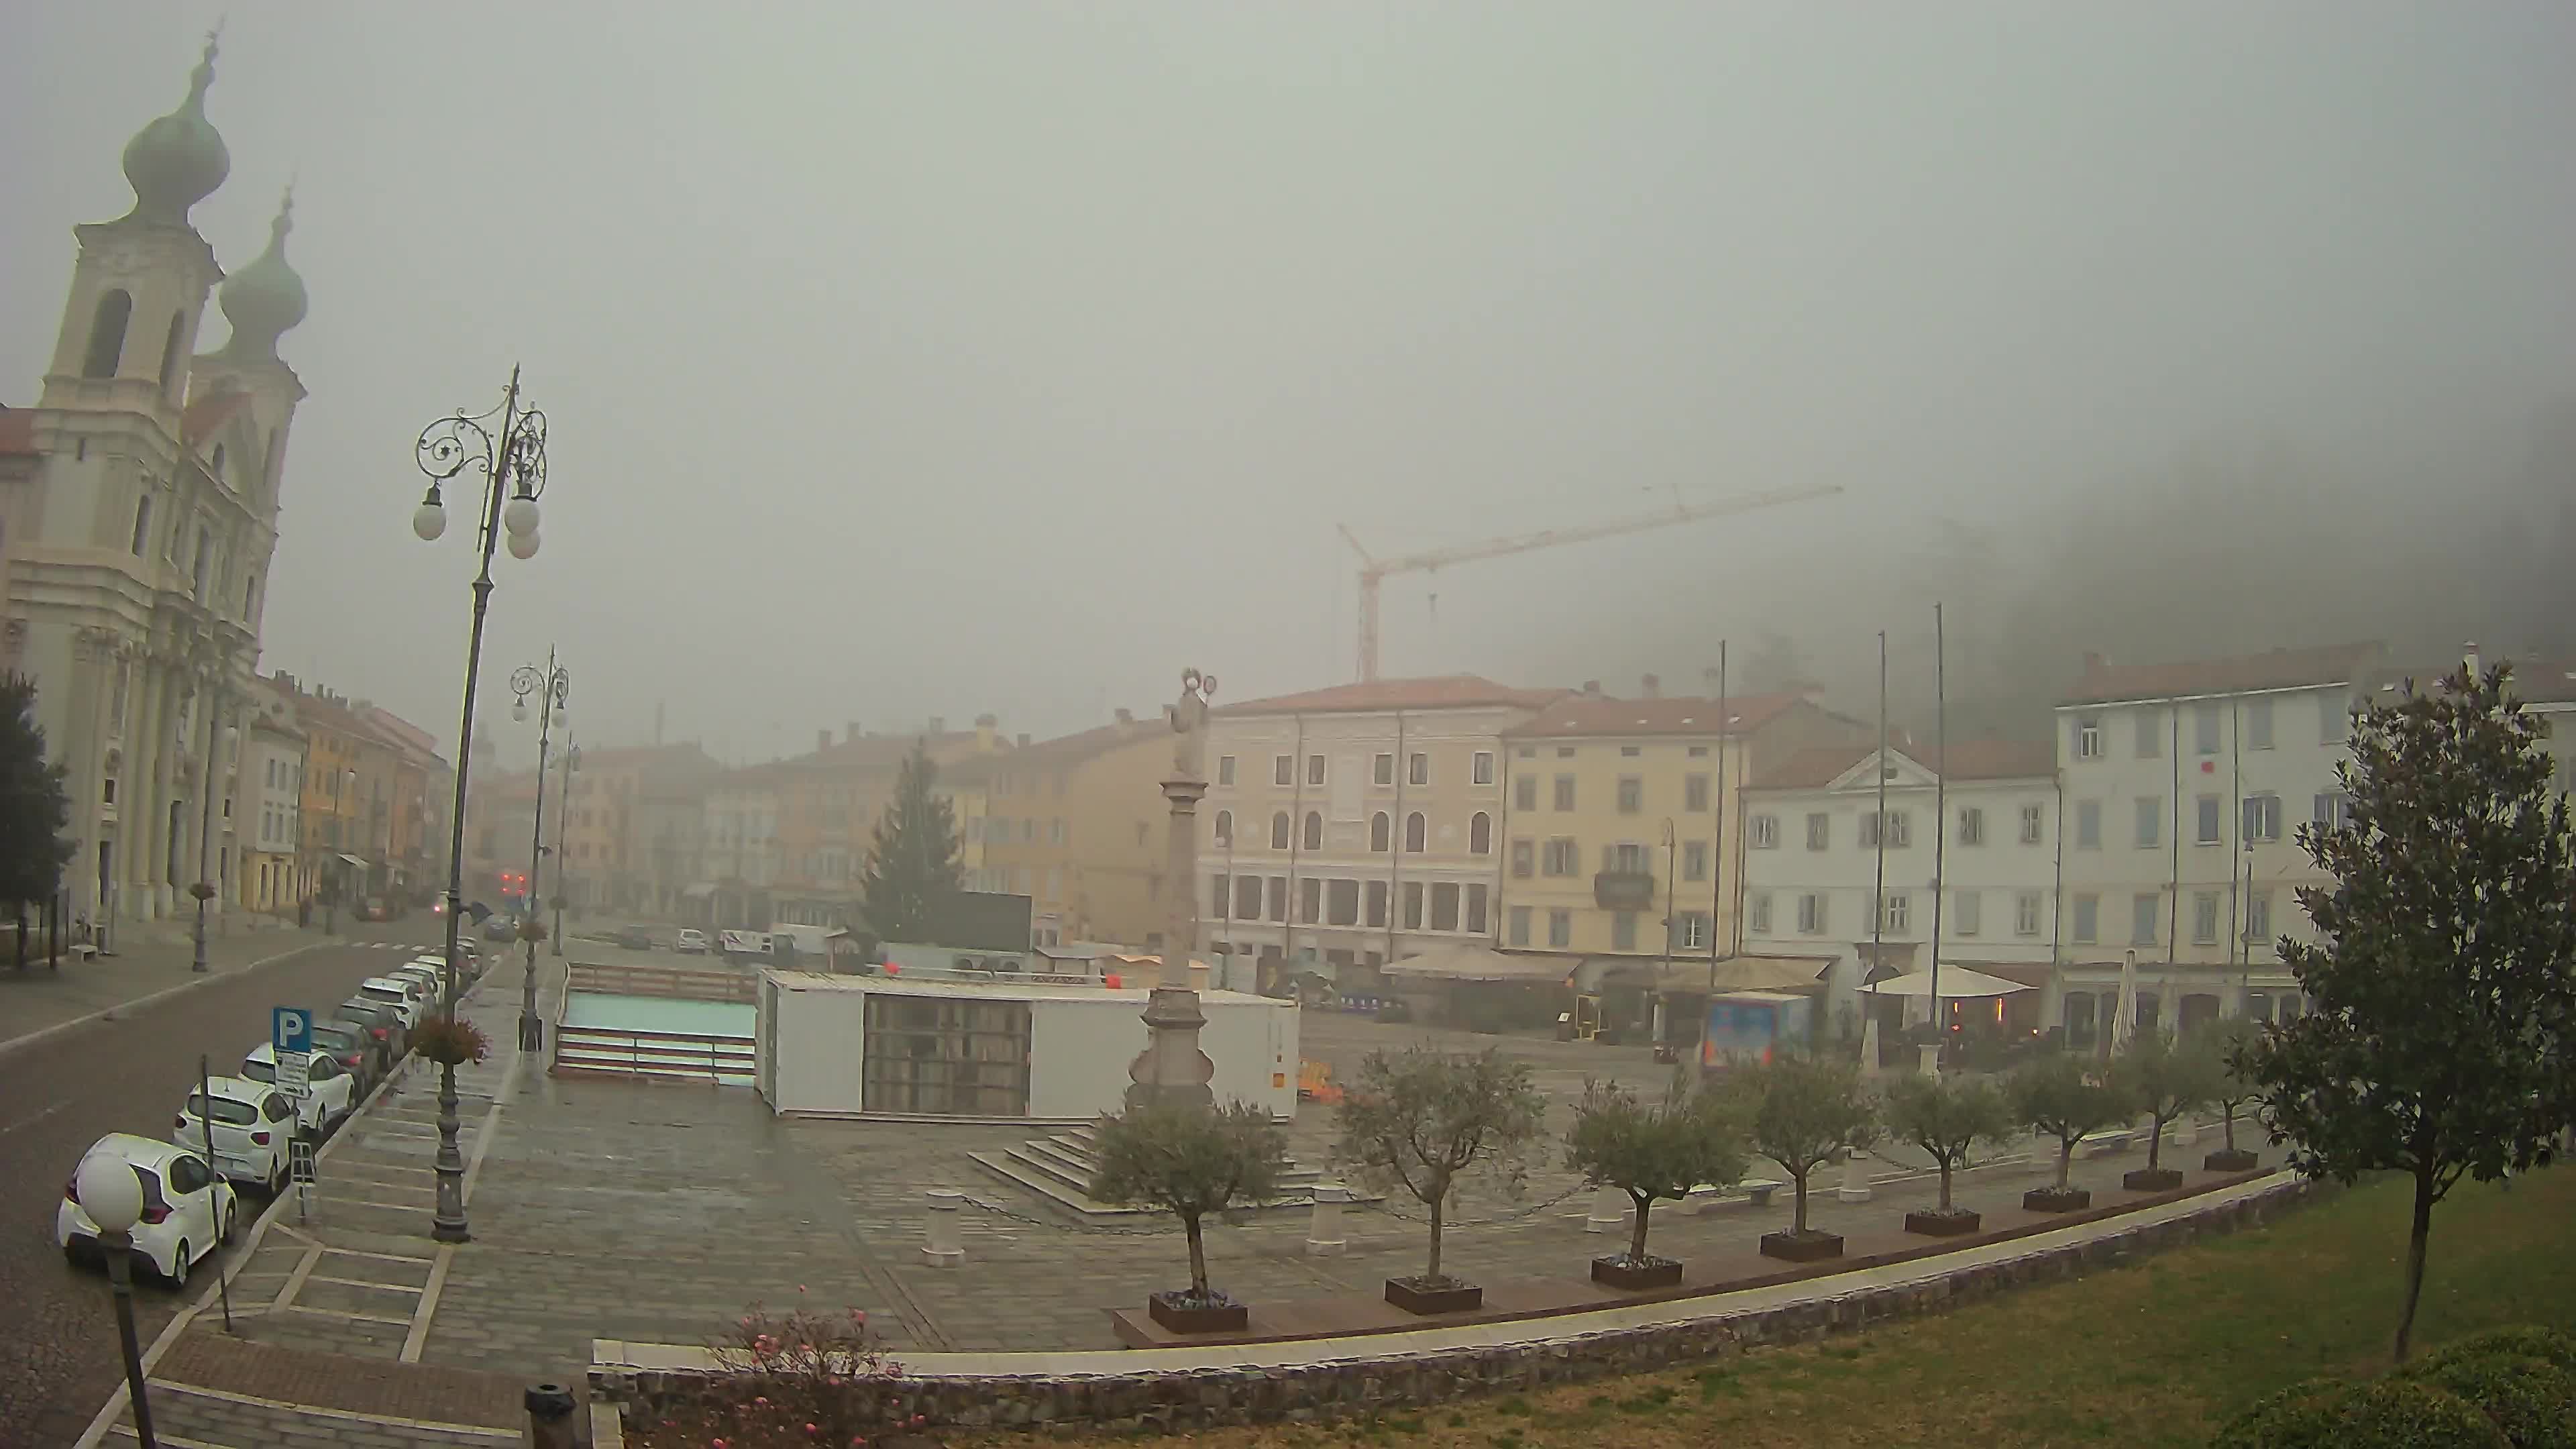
<point x="1172" y="1071"/>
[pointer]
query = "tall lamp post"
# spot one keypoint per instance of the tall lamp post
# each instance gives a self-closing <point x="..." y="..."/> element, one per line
<point x="336" y="870"/>
<point x="553" y="688"/>
<point x="216" y="734"/>
<point x="513" y="465"/>
<point x="563" y="872"/>
<point x="111" y="1194"/>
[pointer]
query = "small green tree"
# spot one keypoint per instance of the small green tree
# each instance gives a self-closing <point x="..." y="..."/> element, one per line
<point x="1801" y="1112"/>
<point x="2164" y="1076"/>
<point x="2230" y="1044"/>
<point x="1690" y="1138"/>
<point x="1421" y="1118"/>
<point x="2057" y="1098"/>
<point x="1189" y="1163"/>
<point x="2443" y="1043"/>
<point x="912" y="867"/>
<point x="35" y="806"/>
<point x="1946" y="1117"/>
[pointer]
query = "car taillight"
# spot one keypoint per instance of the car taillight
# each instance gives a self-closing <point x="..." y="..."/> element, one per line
<point x="259" y="1139"/>
<point x="181" y="1122"/>
<point x="349" y="1061"/>
<point x="377" y="1032"/>
<point x="71" y="1192"/>
<point x="157" y="1213"/>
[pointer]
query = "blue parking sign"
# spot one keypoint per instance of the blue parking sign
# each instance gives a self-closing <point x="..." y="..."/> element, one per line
<point x="290" y="1031"/>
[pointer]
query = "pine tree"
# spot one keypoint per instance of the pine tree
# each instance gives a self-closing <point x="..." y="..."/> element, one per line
<point x="2443" y="1040"/>
<point x="912" y="865"/>
<point x="34" y="804"/>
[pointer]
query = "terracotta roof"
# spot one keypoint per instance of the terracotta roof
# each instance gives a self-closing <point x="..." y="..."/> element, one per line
<point x="2106" y="683"/>
<point x="2535" y="681"/>
<point x="1968" y="760"/>
<point x="17" y="433"/>
<point x="1446" y="691"/>
<point x="1056" y="753"/>
<point x="1581" y="714"/>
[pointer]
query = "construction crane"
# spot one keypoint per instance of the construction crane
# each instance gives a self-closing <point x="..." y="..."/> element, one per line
<point x="1374" y="570"/>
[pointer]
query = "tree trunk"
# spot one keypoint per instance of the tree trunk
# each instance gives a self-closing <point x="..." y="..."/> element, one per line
<point x="1798" y="1220"/>
<point x="1637" y="1235"/>
<point x="2416" y="1234"/>
<point x="1198" y="1257"/>
<point x="1431" y="1270"/>
<point x="1945" y="1184"/>
<point x="2065" y="1160"/>
<point x="2155" y="1140"/>
<point x="2227" y="1123"/>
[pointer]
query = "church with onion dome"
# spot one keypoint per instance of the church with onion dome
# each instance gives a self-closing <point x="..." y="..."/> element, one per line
<point x="139" y="499"/>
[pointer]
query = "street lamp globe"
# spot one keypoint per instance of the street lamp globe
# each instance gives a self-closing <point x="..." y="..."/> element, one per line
<point x="429" y="520"/>
<point x="519" y="708"/>
<point x="523" y="546"/>
<point x="110" y="1193"/>
<point x="520" y="516"/>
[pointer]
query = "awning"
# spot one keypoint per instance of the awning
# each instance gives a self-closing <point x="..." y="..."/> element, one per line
<point x="700" y="891"/>
<point x="1466" y="962"/>
<point x="1956" y="982"/>
<point x="358" y="861"/>
<point x="1733" y="973"/>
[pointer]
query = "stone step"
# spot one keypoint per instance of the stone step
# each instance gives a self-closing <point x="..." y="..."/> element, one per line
<point x="1053" y="1176"/>
<point x="1071" y="1164"/>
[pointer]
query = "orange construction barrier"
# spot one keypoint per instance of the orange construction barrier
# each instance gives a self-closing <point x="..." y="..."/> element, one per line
<point x="1315" y="1082"/>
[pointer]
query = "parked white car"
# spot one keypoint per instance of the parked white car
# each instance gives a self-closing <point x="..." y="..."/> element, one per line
<point x="401" y="995"/>
<point x="254" y="1129"/>
<point x="330" y="1089"/>
<point x="187" y="1209"/>
<point x="692" y="942"/>
<point x="432" y="978"/>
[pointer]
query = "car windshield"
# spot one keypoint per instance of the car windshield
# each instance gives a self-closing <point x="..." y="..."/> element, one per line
<point x="228" y="1111"/>
<point x="384" y="993"/>
<point x="328" y="1037"/>
<point x="259" y="1071"/>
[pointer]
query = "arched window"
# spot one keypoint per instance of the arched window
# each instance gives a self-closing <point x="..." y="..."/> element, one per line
<point x="170" y="354"/>
<point x="250" y="610"/>
<point x="142" y="523"/>
<point x="1279" y="830"/>
<point x="1415" y="830"/>
<point x="215" y="465"/>
<point x="1480" y="834"/>
<point x="107" y="333"/>
<point x="1225" y="827"/>
<point x="1381" y="832"/>
<point x="1314" y="830"/>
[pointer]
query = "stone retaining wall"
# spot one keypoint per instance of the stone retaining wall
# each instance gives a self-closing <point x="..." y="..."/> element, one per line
<point x="1208" y="1398"/>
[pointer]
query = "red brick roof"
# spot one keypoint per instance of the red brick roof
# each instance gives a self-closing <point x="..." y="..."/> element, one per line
<point x="1056" y="753"/>
<point x="2106" y="683"/>
<point x="1580" y="714"/>
<point x="2535" y="681"/>
<point x="1967" y="760"/>
<point x="1446" y="691"/>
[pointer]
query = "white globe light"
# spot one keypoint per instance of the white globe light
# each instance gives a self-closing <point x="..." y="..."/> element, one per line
<point x="519" y="516"/>
<point x="523" y="545"/>
<point x="428" y="521"/>
<point x="519" y="710"/>
<point x="109" y="1192"/>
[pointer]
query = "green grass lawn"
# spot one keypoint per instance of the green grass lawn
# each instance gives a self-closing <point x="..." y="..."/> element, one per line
<point x="2159" y="1353"/>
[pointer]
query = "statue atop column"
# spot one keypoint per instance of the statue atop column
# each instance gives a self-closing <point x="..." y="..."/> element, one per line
<point x="1189" y="725"/>
<point x="1171" y="1070"/>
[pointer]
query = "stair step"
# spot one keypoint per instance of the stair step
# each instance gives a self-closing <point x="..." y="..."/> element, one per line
<point x="1009" y="1165"/>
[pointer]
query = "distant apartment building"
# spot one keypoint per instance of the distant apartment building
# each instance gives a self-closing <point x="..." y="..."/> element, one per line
<point x="268" y="803"/>
<point x="1350" y="826"/>
<point x="625" y="813"/>
<point x="1077" y="824"/>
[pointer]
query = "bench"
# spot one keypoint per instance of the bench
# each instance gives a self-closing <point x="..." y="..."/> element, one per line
<point x="1756" y="1190"/>
<point x="2105" y="1143"/>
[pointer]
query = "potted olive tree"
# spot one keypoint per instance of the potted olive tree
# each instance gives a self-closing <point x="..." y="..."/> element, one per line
<point x="2163" y="1076"/>
<point x="1190" y="1163"/>
<point x="2057" y="1098"/>
<point x="1946" y="1117"/>
<point x="1421" y="1119"/>
<point x="2232" y="1043"/>
<point x="1804" y="1112"/>
<point x="1689" y="1139"/>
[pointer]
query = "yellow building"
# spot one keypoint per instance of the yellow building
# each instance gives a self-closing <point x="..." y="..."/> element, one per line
<point x="1077" y="825"/>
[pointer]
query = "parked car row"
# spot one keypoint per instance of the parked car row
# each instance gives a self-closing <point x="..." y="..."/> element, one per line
<point x="251" y="1123"/>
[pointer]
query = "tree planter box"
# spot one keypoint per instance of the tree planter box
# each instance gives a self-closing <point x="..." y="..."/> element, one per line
<point x="2152" y="1179"/>
<point x="2050" y="1200"/>
<point x="1934" y="1223"/>
<point x="1436" y="1295"/>
<point x="2235" y="1159"/>
<point x="1181" y="1313"/>
<point x="1811" y="1246"/>
<point x="1648" y="1272"/>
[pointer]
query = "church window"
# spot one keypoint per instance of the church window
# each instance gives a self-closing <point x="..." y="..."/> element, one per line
<point x="107" y="334"/>
<point x="170" y="354"/>
<point x="142" y="523"/>
<point x="215" y="465"/>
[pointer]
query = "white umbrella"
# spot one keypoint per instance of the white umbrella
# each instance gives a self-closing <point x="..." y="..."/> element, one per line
<point x="2124" y="1014"/>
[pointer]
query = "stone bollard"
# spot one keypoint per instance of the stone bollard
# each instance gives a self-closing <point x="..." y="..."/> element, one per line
<point x="2184" y="1133"/>
<point x="944" y="1242"/>
<point x="1610" y="1208"/>
<point x="1928" y="1060"/>
<point x="1855" y="1186"/>
<point x="550" y="1417"/>
<point x="1324" y="1230"/>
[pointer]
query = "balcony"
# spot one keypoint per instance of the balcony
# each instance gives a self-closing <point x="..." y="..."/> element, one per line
<point x="1624" y="890"/>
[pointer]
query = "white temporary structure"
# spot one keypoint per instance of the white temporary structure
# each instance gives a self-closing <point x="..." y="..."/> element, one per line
<point x="1957" y="983"/>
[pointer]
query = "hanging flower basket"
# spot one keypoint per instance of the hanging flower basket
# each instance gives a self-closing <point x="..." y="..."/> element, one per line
<point x="532" y="929"/>
<point x="202" y="891"/>
<point x="451" y="1041"/>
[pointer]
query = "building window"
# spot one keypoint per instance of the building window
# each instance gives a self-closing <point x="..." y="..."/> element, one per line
<point x="2026" y="913"/>
<point x="1694" y="792"/>
<point x="1225" y="769"/>
<point x="1564" y="792"/>
<point x="2258" y="919"/>
<point x="1381" y="831"/>
<point x="1811" y="914"/>
<point x="1279" y="830"/>
<point x="2151" y="814"/>
<point x="1342" y="903"/>
<point x="2262" y="817"/>
<point x="1310" y="900"/>
<point x="1314" y="769"/>
<point x="1695" y="931"/>
<point x="1417" y="769"/>
<point x="107" y="333"/>
<point x="1627" y="857"/>
<point x="1560" y="857"/>
<point x="1283" y="770"/>
<point x="142" y="525"/>
<point x="2088" y="918"/>
<point x="1972" y="825"/>
<point x="1525" y="793"/>
<point x="1417" y="833"/>
<point x="1224" y="828"/>
<point x="1899" y="831"/>
<point x="1444" y="905"/>
<point x="1560" y="929"/>
<point x="2333" y="808"/>
<point x="1623" y="930"/>
<point x="2334" y="719"/>
<point x="2204" y="918"/>
<point x="1632" y="794"/>
<point x="2088" y="825"/>
<point x="1757" y="913"/>
<point x="1896" y="911"/>
<point x="1565" y="752"/>
<point x="1476" y="898"/>
<point x="1765" y="831"/>
<point x="1480" y="834"/>
<point x="2151" y="735"/>
<point x="1377" y="903"/>
<point x="250" y="596"/>
<point x="2204" y="729"/>
<point x="1524" y="858"/>
<point x="1630" y="751"/>
<point x="1519" y="931"/>
<point x="1820" y="830"/>
<point x="2206" y="813"/>
<point x="2088" y="738"/>
<point x="2258" y="724"/>
<point x="2034" y="824"/>
<point x="2142" y="919"/>
<point x="1382" y="769"/>
<point x="1314" y="833"/>
<point x="1695" y="860"/>
<point x="1481" y="771"/>
<point x="1967" y="909"/>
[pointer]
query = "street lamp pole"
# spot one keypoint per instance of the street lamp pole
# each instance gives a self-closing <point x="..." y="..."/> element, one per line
<point x="563" y="872"/>
<point x="110" y="1192"/>
<point x="513" y="466"/>
<point x="553" y="688"/>
<point x="212" y="689"/>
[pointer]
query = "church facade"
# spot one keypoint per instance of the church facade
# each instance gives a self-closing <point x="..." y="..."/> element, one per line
<point x="139" y="499"/>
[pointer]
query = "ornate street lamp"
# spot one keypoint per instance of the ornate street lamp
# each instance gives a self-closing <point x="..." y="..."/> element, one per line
<point x="552" y="686"/>
<point x="513" y="465"/>
<point x="111" y="1194"/>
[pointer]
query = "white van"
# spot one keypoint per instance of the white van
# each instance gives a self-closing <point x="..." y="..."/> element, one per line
<point x="743" y="943"/>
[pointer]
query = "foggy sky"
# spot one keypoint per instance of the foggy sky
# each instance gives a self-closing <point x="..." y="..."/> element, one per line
<point x="931" y="359"/>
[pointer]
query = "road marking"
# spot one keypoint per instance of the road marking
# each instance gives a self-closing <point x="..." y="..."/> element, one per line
<point x="124" y="1431"/>
<point x="351" y="1317"/>
<point x="427" y="1308"/>
<point x="33" y="1120"/>
<point x="434" y="1426"/>
<point x="295" y="1280"/>
<point x="363" y="1283"/>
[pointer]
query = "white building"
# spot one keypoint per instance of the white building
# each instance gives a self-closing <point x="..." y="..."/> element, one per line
<point x="1358" y="822"/>
<point x="1812" y="866"/>
<point x="268" y="804"/>
<point x="139" y="499"/>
